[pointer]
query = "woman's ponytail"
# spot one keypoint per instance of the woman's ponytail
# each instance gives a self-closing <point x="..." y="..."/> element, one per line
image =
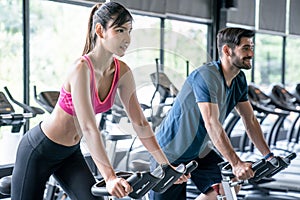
<point x="89" y="43"/>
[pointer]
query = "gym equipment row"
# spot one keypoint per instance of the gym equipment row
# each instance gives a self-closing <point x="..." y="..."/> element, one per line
<point x="280" y="110"/>
<point x="281" y="133"/>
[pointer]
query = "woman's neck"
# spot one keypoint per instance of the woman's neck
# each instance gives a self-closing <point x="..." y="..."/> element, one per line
<point x="101" y="59"/>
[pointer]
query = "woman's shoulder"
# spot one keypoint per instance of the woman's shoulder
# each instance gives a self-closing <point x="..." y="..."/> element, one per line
<point x="124" y="68"/>
<point x="79" y="64"/>
<point x="78" y="68"/>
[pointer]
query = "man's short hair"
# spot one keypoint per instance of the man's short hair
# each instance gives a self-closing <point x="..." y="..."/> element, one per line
<point x="232" y="37"/>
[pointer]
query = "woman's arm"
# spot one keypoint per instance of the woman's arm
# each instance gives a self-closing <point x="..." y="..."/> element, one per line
<point x="80" y="88"/>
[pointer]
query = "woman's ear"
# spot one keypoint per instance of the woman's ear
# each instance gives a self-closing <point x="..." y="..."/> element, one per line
<point x="99" y="30"/>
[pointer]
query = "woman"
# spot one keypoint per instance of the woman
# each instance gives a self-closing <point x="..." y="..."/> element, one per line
<point x="53" y="147"/>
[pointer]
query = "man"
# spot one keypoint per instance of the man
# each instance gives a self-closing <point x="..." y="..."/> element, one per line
<point x="195" y="121"/>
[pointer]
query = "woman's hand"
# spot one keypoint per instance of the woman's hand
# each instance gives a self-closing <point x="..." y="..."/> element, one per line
<point x="182" y="179"/>
<point x="118" y="187"/>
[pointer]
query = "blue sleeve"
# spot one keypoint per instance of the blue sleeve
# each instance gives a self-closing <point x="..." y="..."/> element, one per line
<point x="243" y="87"/>
<point x="204" y="85"/>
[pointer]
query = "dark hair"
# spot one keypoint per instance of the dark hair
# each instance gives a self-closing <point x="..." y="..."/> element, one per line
<point x="102" y="13"/>
<point x="232" y="37"/>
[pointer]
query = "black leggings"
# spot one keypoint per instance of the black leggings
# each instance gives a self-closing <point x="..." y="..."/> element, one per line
<point x="38" y="158"/>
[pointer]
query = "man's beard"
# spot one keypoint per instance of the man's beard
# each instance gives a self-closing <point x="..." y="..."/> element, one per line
<point x="240" y="63"/>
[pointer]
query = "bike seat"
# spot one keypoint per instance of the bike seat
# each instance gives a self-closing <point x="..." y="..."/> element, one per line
<point x="5" y="185"/>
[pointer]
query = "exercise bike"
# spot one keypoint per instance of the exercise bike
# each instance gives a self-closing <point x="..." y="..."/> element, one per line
<point x="47" y="100"/>
<point x="158" y="180"/>
<point x="264" y="171"/>
<point x="8" y="117"/>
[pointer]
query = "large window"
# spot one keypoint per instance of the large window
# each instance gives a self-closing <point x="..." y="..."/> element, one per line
<point x="268" y="59"/>
<point x="292" y="72"/>
<point x="57" y="39"/>
<point x="11" y="69"/>
<point x="11" y="47"/>
<point x="57" y="36"/>
<point x="185" y="45"/>
<point x="141" y="54"/>
<point x="145" y="45"/>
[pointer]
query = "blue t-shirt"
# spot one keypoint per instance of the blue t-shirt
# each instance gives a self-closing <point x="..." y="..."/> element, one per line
<point x="182" y="134"/>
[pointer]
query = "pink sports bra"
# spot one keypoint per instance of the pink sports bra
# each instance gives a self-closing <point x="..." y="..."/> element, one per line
<point x="65" y="97"/>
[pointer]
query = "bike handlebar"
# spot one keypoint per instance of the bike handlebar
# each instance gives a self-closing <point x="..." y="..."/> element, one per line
<point x="99" y="189"/>
<point x="171" y="175"/>
<point x="274" y="166"/>
<point x="27" y="108"/>
<point x="15" y="116"/>
<point x="226" y="170"/>
<point x="159" y="180"/>
<point x="262" y="168"/>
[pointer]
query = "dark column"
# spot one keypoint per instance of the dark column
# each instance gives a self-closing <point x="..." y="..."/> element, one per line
<point x="26" y="57"/>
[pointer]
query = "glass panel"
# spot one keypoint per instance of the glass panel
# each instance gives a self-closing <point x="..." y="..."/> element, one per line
<point x="184" y="42"/>
<point x="141" y="54"/>
<point x="248" y="74"/>
<point x="292" y="61"/>
<point x="11" y="47"/>
<point x="11" y="68"/>
<point x="57" y="37"/>
<point x="145" y="42"/>
<point x="268" y="59"/>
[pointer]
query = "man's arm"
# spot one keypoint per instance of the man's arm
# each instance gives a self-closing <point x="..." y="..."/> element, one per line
<point x="220" y="140"/>
<point x="217" y="134"/>
<point x="252" y="127"/>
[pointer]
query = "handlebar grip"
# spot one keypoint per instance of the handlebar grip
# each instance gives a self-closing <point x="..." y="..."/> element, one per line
<point x="281" y="163"/>
<point x="291" y="156"/>
<point x="172" y="175"/>
<point x="99" y="188"/>
<point x="258" y="164"/>
<point x="191" y="166"/>
<point x="133" y="179"/>
<point x="226" y="169"/>
<point x="144" y="183"/>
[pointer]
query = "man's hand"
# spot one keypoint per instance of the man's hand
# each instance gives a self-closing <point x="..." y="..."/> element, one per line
<point x="243" y="170"/>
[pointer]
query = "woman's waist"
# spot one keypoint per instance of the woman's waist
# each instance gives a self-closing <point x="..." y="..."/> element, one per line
<point x="62" y="131"/>
<point x="46" y="146"/>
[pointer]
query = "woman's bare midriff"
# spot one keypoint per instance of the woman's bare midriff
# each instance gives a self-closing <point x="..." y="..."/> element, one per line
<point x="61" y="128"/>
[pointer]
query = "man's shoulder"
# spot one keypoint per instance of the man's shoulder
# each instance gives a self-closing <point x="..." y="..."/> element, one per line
<point x="211" y="66"/>
<point x="206" y="71"/>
